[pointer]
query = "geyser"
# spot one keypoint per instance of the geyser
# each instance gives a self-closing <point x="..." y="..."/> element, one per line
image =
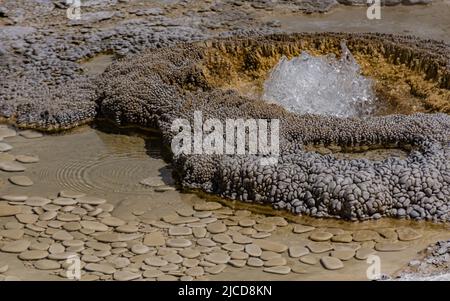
<point x="321" y="85"/>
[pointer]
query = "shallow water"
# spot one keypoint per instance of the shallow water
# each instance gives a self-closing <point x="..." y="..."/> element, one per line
<point x="111" y="164"/>
<point x="97" y="64"/>
<point x="323" y="85"/>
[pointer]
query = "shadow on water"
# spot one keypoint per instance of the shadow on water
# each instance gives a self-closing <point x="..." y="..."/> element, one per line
<point x="154" y="146"/>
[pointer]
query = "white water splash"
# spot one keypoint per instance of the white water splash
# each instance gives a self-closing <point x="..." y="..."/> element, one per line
<point x="321" y="85"/>
<point x="414" y="277"/>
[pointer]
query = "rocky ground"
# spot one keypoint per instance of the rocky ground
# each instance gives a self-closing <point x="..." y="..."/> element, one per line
<point x="172" y="236"/>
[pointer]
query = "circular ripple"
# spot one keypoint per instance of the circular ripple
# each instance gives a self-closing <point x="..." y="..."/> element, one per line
<point x="111" y="172"/>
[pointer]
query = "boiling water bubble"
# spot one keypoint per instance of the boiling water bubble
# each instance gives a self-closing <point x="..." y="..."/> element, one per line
<point x="321" y="85"/>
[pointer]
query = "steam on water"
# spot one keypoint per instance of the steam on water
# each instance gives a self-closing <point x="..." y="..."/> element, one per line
<point x="321" y="85"/>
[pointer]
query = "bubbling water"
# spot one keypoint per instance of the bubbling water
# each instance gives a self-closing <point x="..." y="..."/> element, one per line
<point x="321" y="85"/>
